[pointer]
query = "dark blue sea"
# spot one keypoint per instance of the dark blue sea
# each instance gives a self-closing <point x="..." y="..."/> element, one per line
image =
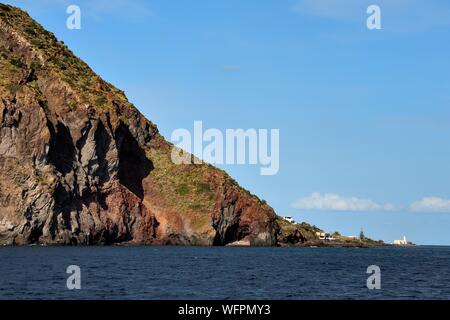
<point x="224" y="273"/>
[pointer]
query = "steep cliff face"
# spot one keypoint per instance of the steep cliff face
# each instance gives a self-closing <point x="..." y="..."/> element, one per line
<point x="81" y="165"/>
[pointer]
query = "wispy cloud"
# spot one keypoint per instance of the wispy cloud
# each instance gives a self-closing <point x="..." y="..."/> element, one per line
<point x="398" y="15"/>
<point x="337" y="9"/>
<point x="231" y="68"/>
<point x="137" y="8"/>
<point x="431" y="204"/>
<point x="439" y="122"/>
<point x="132" y="9"/>
<point x="335" y="202"/>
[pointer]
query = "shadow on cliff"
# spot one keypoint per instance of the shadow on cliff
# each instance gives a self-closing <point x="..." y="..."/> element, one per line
<point x="132" y="169"/>
<point x="62" y="148"/>
<point x="102" y="143"/>
<point x="227" y="227"/>
<point x="133" y="163"/>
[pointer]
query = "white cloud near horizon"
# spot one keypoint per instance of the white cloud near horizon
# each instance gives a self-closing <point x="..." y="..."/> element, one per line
<point x="335" y="202"/>
<point x="431" y="204"/>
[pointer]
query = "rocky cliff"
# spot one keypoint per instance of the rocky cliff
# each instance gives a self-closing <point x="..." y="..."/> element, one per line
<point x="81" y="165"/>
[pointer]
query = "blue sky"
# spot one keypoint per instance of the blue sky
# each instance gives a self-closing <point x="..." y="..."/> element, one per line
<point x="364" y="115"/>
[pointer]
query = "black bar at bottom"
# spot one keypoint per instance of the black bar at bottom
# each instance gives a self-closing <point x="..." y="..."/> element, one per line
<point x="180" y="309"/>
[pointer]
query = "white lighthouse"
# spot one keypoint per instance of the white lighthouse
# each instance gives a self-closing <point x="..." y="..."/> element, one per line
<point x="402" y="242"/>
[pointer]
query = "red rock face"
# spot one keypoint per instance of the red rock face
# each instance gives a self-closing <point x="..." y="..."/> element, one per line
<point x="81" y="165"/>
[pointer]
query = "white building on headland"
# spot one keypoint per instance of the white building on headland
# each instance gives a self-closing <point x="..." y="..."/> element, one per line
<point x="325" y="236"/>
<point x="289" y="219"/>
<point x="402" y="242"/>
